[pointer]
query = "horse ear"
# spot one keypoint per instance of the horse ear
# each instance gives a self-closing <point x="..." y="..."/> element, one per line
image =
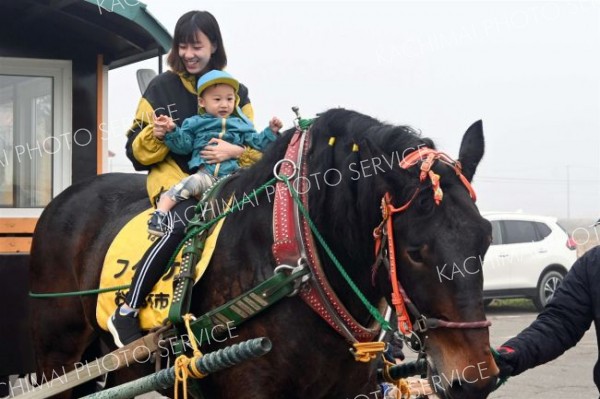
<point x="471" y="149"/>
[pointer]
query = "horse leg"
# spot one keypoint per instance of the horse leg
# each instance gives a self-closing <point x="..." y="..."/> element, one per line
<point x="61" y="335"/>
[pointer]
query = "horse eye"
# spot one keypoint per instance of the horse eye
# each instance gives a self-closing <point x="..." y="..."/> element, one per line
<point x="425" y="204"/>
<point x="415" y="255"/>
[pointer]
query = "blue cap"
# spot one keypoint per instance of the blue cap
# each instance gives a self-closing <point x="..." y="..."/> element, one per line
<point x="215" y="77"/>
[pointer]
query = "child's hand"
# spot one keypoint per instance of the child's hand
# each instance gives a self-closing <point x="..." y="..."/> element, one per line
<point x="164" y="123"/>
<point x="275" y="124"/>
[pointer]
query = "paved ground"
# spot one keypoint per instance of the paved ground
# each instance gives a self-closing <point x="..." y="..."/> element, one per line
<point x="569" y="376"/>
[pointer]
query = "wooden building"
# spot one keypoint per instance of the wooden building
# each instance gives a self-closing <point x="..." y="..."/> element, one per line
<point x="54" y="61"/>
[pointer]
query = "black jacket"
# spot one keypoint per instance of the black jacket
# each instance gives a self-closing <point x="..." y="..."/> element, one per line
<point x="173" y="95"/>
<point x="565" y="319"/>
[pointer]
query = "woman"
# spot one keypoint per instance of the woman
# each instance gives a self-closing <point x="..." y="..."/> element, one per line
<point x="197" y="48"/>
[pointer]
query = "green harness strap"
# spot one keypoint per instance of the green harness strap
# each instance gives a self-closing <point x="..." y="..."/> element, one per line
<point x="184" y="281"/>
<point x="193" y="246"/>
<point x="222" y="319"/>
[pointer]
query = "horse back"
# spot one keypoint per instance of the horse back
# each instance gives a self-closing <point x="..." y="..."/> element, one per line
<point x="77" y="227"/>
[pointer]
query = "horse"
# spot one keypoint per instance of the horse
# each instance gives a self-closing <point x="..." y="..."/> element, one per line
<point x="352" y="163"/>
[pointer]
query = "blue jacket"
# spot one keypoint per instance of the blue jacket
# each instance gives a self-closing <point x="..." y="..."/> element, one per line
<point x="196" y="131"/>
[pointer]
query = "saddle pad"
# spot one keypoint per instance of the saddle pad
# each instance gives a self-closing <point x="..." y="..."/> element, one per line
<point x="124" y="253"/>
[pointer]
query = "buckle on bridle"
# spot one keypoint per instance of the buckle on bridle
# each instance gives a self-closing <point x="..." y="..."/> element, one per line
<point x="420" y="324"/>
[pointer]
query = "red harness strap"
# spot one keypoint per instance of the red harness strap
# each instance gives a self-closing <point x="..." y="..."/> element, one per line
<point x="294" y="244"/>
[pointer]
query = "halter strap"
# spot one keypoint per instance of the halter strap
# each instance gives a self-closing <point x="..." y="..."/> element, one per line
<point x="400" y="300"/>
<point x="428" y="156"/>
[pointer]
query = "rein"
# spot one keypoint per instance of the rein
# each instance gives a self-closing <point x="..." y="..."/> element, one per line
<point x="384" y="234"/>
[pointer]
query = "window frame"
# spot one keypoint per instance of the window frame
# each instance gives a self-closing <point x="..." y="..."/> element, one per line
<point x="62" y="104"/>
<point x="499" y="230"/>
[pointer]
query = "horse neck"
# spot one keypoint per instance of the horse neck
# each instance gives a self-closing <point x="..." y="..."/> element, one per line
<point x="353" y="253"/>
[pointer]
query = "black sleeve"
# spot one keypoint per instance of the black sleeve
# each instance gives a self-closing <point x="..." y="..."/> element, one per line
<point x="562" y="323"/>
<point x="137" y="126"/>
<point x="243" y="93"/>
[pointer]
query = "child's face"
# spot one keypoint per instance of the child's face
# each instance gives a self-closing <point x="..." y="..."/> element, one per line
<point x="218" y="100"/>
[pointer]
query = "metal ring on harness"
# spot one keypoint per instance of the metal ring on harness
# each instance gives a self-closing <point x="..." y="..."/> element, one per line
<point x="413" y="342"/>
<point x="278" y="165"/>
<point x="302" y="264"/>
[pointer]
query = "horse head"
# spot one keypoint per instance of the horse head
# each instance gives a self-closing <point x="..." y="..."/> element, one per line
<point x="436" y="237"/>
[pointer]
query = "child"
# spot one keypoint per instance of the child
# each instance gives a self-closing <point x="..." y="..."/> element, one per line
<point x="219" y="118"/>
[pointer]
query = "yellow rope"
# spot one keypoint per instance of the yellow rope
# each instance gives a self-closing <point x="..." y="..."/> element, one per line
<point x="181" y="374"/>
<point x="402" y="385"/>
<point x="187" y="319"/>
<point x="367" y="351"/>
<point x="386" y="370"/>
<point x="403" y="389"/>
<point x="186" y="366"/>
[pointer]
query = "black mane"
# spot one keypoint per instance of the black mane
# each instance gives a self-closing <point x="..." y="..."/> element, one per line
<point x="349" y="128"/>
<point x="349" y="210"/>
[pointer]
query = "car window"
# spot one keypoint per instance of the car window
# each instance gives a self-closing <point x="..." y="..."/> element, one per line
<point x="543" y="229"/>
<point x="517" y="231"/>
<point x="496" y="233"/>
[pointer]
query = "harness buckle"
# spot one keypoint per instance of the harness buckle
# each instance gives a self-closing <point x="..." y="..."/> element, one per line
<point x="420" y="324"/>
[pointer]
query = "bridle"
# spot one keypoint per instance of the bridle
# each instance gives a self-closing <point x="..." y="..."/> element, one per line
<point x="384" y="234"/>
<point x="294" y="245"/>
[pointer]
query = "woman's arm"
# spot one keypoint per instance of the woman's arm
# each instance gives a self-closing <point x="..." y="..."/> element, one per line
<point x="562" y="323"/>
<point x="219" y="150"/>
<point x="144" y="145"/>
<point x="249" y="156"/>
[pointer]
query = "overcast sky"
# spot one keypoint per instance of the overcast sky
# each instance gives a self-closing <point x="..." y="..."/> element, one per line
<point x="530" y="70"/>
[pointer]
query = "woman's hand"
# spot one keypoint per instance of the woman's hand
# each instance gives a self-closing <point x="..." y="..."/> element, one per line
<point x="219" y="150"/>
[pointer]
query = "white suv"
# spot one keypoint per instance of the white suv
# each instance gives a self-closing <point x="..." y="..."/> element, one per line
<point x="529" y="257"/>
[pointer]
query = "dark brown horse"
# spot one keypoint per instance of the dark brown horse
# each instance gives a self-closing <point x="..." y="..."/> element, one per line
<point x="437" y="248"/>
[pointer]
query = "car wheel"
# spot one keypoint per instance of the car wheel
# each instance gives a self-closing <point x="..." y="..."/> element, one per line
<point x="546" y="289"/>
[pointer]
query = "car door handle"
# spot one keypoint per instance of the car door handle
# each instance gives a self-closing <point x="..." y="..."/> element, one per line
<point x="542" y="251"/>
<point x="503" y="256"/>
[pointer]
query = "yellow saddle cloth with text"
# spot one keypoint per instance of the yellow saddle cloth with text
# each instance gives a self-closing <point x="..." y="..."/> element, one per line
<point x="122" y="257"/>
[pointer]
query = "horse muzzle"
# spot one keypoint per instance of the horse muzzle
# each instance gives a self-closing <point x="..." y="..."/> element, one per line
<point x="474" y="381"/>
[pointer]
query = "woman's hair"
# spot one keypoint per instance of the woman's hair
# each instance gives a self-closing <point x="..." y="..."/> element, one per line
<point x="188" y="25"/>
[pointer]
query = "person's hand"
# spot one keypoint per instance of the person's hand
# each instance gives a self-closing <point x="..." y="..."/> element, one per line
<point x="505" y="361"/>
<point x="275" y="124"/>
<point x="394" y="348"/>
<point x="162" y="125"/>
<point x="219" y="150"/>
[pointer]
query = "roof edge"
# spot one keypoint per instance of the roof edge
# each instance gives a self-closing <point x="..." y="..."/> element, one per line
<point x="137" y="13"/>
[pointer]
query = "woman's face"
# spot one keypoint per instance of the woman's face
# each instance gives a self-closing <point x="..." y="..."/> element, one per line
<point x="195" y="56"/>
